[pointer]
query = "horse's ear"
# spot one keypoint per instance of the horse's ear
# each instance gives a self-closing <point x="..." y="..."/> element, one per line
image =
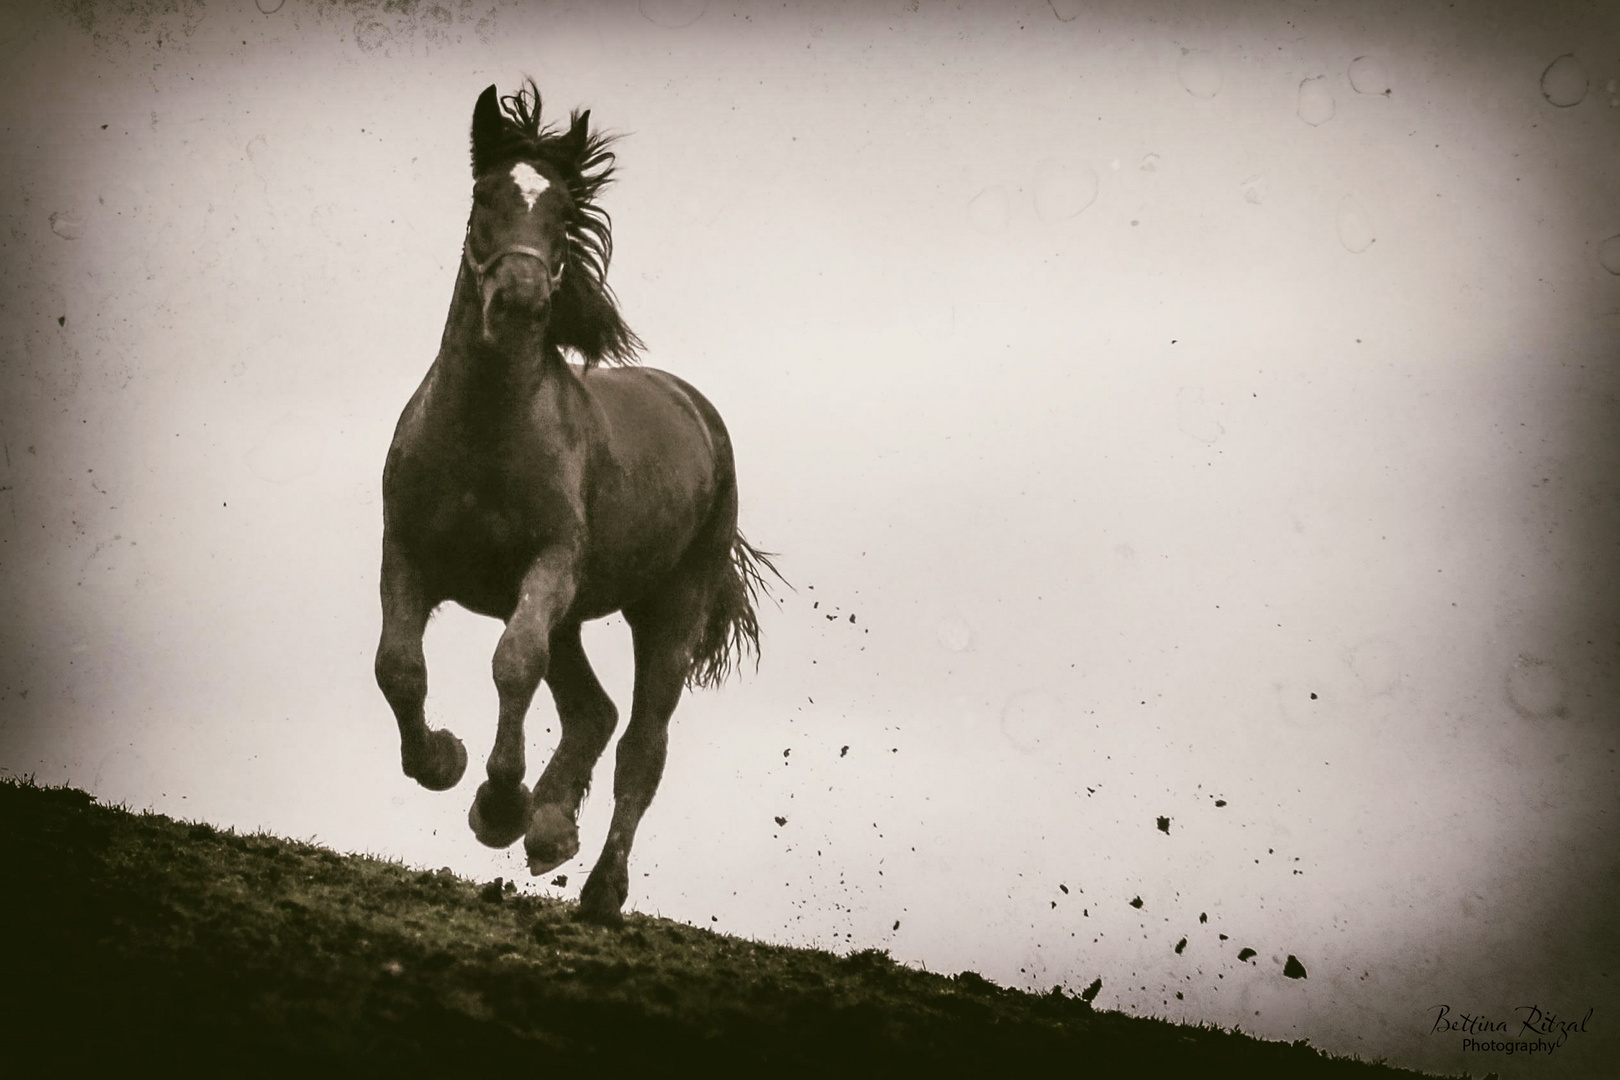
<point x="572" y="144"/>
<point x="486" y="128"/>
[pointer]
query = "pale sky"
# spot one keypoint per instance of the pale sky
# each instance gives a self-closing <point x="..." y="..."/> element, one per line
<point x="1193" y="406"/>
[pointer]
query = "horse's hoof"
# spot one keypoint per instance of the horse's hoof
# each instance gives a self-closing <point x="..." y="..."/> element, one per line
<point x="601" y="900"/>
<point x="442" y="764"/>
<point x="552" y="840"/>
<point x="598" y="909"/>
<point x="499" y="814"/>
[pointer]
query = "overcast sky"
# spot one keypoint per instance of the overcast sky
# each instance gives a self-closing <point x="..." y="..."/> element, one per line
<point x="1204" y="414"/>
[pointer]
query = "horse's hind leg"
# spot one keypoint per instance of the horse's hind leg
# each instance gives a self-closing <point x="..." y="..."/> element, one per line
<point x="665" y="634"/>
<point x="588" y="718"/>
<point x="500" y="811"/>
<point x="434" y="759"/>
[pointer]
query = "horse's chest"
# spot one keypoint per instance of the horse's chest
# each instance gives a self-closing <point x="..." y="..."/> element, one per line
<point x="490" y="520"/>
<point x="482" y="521"/>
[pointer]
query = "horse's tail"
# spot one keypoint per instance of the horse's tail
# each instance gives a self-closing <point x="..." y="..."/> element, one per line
<point x="732" y="630"/>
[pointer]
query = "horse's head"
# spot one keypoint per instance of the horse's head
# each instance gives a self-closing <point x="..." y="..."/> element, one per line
<point x="537" y="244"/>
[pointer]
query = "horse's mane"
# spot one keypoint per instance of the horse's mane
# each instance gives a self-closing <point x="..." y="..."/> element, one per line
<point x="585" y="316"/>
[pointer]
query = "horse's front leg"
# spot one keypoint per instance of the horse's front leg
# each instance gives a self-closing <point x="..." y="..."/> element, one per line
<point x="434" y="759"/>
<point x="500" y="811"/>
<point x="588" y="717"/>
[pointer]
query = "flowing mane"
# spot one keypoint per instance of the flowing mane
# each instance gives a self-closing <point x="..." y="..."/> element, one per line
<point x="586" y="317"/>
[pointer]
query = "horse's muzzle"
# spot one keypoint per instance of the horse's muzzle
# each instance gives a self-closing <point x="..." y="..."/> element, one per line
<point x="516" y="292"/>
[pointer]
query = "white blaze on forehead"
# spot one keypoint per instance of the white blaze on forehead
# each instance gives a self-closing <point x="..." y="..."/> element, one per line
<point x="529" y="183"/>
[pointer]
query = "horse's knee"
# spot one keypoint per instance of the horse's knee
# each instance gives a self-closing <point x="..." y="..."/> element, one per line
<point x="401" y="675"/>
<point x="519" y="665"/>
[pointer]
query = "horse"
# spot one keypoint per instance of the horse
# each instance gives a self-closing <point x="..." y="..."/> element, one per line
<point x="546" y="493"/>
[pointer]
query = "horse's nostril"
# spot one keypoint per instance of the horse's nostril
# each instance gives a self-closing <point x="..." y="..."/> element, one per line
<point x="528" y="296"/>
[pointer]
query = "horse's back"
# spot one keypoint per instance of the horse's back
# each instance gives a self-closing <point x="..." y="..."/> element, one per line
<point x="661" y="422"/>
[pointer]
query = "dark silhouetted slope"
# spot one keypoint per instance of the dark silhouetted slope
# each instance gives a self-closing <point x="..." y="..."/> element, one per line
<point x="134" y="942"/>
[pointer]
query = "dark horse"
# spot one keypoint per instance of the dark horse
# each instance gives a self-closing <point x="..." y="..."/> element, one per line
<point x="545" y="493"/>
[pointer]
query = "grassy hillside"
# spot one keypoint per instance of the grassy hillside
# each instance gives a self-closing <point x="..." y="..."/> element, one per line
<point x="137" y="941"/>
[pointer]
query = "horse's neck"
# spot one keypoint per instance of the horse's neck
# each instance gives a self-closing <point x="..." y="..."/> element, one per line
<point x="484" y="385"/>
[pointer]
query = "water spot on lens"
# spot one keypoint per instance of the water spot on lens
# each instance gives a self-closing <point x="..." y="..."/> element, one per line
<point x="1063" y="188"/>
<point x="990" y="209"/>
<point x="929" y="307"/>
<point x="1367" y="76"/>
<point x="1564" y="81"/>
<point x="371" y="35"/>
<point x="954" y="632"/>
<point x="1315" y="101"/>
<point x="1197" y="416"/>
<point x="270" y="7"/>
<point x="1355" y="226"/>
<point x="1029" y="720"/>
<point x="673" y="14"/>
<point x="1200" y="72"/>
<point x="290" y="449"/>
<point x="1535" y="688"/>
<point x="52" y="359"/>
<point x="933" y="318"/>
<point x="1377" y="665"/>
<point x="1609" y="254"/>
<point x="67" y="226"/>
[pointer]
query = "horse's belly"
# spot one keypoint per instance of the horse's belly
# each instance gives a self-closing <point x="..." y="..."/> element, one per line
<point x="633" y="551"/>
